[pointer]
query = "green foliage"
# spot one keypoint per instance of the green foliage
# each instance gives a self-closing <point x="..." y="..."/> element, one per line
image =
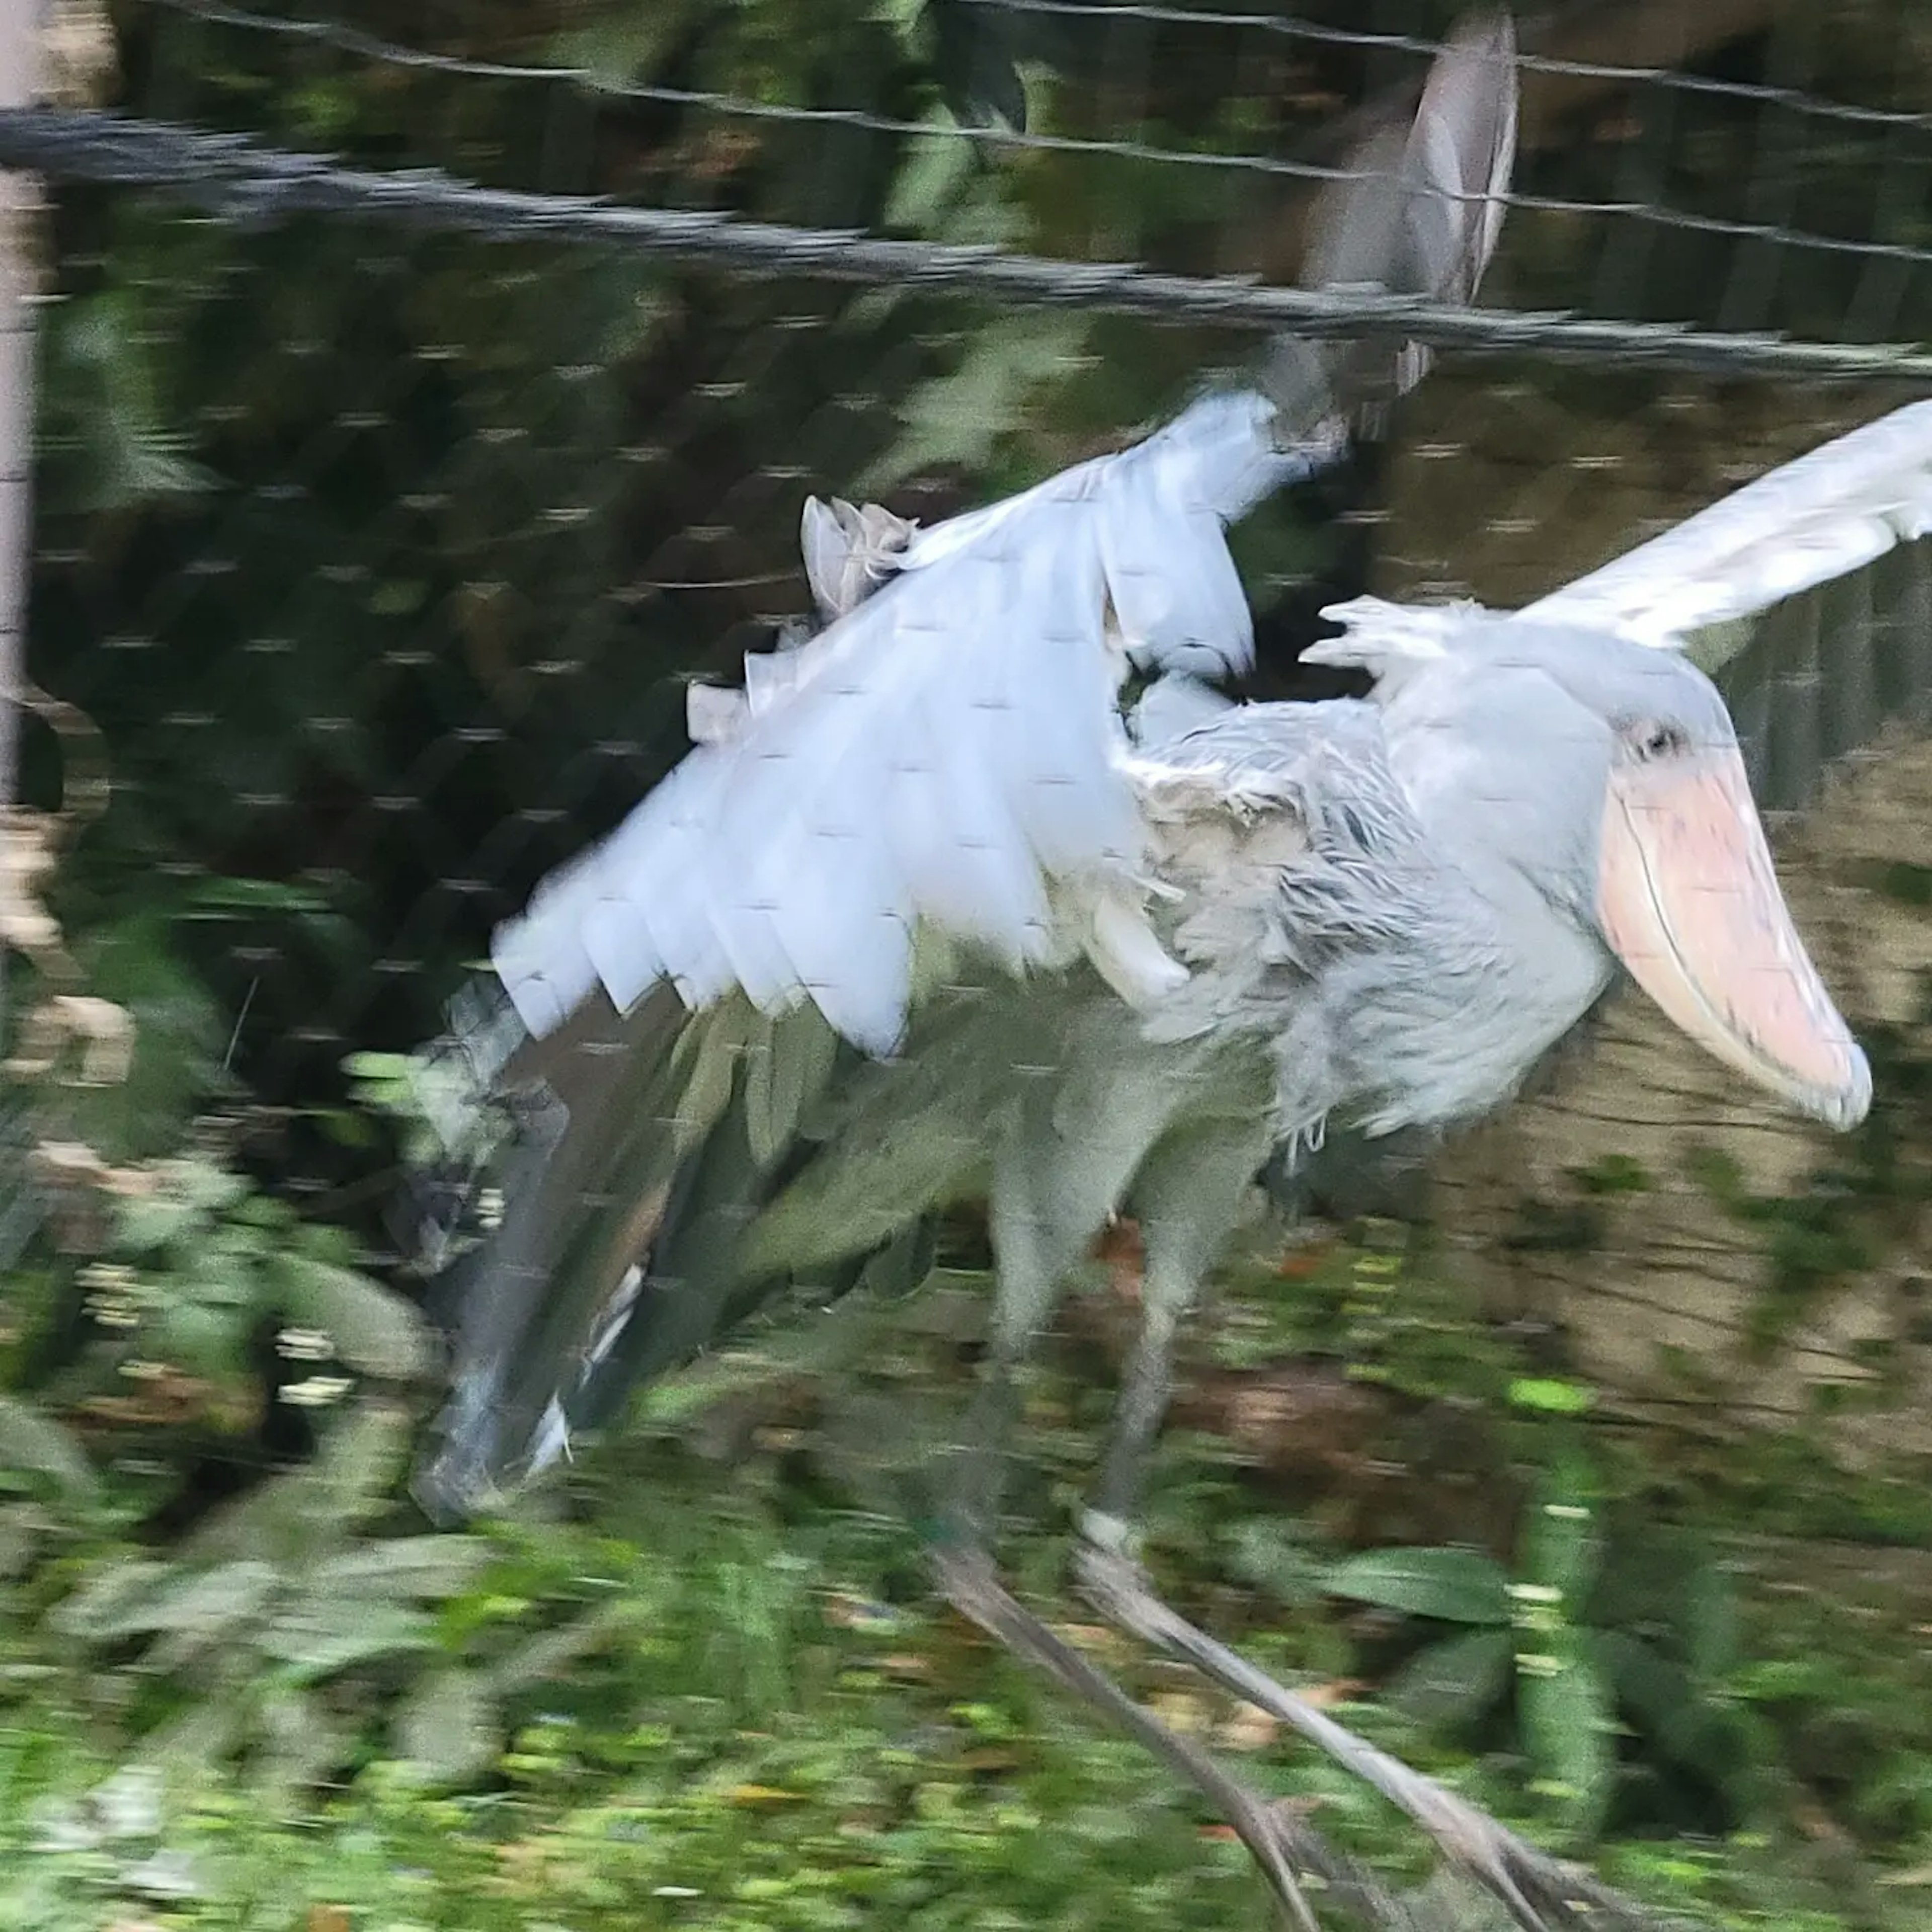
<point x="1580" y="1644"/>
<point x="191" y="1268"/>
<point x="707" y="1691"/>
<point x="256" y="1658"/>
<point x="367" y="555"/>
<point x="756" y="1717"/>
<point x="1457" y="1586"/>
<point x="103" y="426"/>
<point x="1546" y="1395"/>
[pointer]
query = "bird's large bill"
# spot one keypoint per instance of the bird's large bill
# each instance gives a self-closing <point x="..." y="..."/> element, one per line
<point x="1690" y="902"/>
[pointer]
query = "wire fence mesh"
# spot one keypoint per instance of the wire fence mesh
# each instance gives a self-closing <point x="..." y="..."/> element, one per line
<point x="388" y="491"/>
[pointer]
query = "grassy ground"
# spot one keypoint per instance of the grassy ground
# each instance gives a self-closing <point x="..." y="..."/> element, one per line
<point x="703" y="1683"/>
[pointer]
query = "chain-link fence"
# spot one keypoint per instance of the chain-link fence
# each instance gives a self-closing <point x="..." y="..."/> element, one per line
<point x="427" y="392"/>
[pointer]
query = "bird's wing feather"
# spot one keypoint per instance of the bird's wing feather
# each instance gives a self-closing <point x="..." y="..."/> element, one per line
<point x="949" y="753"/>
<point x="1464" y="144"/>
<point x="943" y="763"/>
<point x="849" y="551"/>
<point x="1423" y="210"/>
<point x="1832" y="511"/>
<point x="1171" y="707"/>
<point x="1818" y="679"/>
<point x="632" y="1154"/>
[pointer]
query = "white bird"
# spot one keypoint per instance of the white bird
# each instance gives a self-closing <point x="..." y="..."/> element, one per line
<point x="927" y="913"/>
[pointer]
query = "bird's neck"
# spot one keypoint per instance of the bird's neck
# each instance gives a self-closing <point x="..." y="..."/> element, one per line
<point x="1513" y="965"/>
<point x="1550" y="967"/>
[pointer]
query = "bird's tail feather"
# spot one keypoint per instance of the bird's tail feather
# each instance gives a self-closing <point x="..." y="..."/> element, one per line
<point x="609" y="1127"/>
<point x="668" y="1174"/>
<point x="638" y="1154"/>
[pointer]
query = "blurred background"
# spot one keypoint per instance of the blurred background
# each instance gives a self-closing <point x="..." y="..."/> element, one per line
<point x="368" y="558"/>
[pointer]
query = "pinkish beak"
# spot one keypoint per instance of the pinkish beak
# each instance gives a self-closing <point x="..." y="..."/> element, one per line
<point x="1689" y="902"/>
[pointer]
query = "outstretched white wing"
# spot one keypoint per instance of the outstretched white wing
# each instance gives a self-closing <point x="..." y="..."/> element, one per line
<point x="948" y="754"/>
<point x="1829" y="513"/>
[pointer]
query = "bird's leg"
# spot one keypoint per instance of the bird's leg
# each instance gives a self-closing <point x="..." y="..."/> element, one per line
<point x="1177" y="1197"/>
<point x="1032" y="1254"/>
<point x="1187" y="1196"/>
<point x="1293" y="1857"/>
<point x="1540" y="1892"/>
<point x="1035" y="1248"/>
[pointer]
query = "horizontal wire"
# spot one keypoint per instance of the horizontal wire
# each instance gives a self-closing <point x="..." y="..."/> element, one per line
<point x="241" y="181"/>
<point x="354" y="39"/>
<point x="1290" y="28"/>
<point x="367" y="47"/>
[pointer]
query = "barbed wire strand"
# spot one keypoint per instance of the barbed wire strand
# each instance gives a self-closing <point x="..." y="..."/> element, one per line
<point x="367" y="47"/>
<point x="243" y="182"/>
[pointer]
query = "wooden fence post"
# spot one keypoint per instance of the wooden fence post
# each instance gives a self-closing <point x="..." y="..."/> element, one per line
<point x="19" y="204"/>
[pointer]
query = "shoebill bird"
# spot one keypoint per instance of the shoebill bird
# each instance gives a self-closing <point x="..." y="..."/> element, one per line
<point x="929" y="914"/>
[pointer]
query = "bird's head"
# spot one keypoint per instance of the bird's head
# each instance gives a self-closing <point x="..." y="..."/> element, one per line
<point x="1606" y="775"/>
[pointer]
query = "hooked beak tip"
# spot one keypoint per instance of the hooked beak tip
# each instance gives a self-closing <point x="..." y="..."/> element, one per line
<point x="1688" y="900"/>
<point x="1845" y="1107"/>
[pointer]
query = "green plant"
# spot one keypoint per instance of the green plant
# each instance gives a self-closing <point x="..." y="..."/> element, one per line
<point x="1611" y="1658"/>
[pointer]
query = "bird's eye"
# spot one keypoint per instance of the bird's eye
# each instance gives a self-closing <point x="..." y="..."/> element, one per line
<point x="1650" y="739"/>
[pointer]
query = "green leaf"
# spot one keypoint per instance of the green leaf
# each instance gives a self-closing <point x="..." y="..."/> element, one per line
<point x="960" y="418"/>
<point x="416" y="1569"/>
<point x="34" y="1444"/>
<point x="1711" y="1623"/>
<point x="627" y="42"/>
<point x="1563" y="1705"/>
<point x="447" y="1728"/>
<point x="204" y="1602"/>
<point x="374" y="1331"/>
<point x="1456" y="1680"/>
<point x="108" y="1594"/>
<point x="149" y="1222"/>
<point x="223" y="896"/>
<point x="384" y="1068"/>
<point x="712" y="1052"/>
<point x="22" y="1525"/>
<point x="903" y="17"/>
<point x="787" y="1065"/>
<point x="1706" y="1735"/>
<point x="935" y="166"/>
<point x="224" y="1269"/>
<point x="1454" y="1585"/>
<point x="210" y="1341"/>
<point x="297" y="1516"/>
<point x="1646" y="1683"/>
<point x="1550" y="1396"/>
<point x="202" y="1734"/>
<point x="105" y="432"/>
<point x="179" y="1038"/>
<point x="1562" y="1546"/>
<point x="325" y="1635"/>
<point x="1269" y="1556"/>
<point x="301" y="1742"/>
<point x="903" y="1266"/>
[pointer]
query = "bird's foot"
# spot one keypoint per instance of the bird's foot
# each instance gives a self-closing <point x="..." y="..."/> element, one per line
<point x="1111" y="1535"/>
<point x="1542" y="1894"/>
<point x="1293" y="1857"/>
